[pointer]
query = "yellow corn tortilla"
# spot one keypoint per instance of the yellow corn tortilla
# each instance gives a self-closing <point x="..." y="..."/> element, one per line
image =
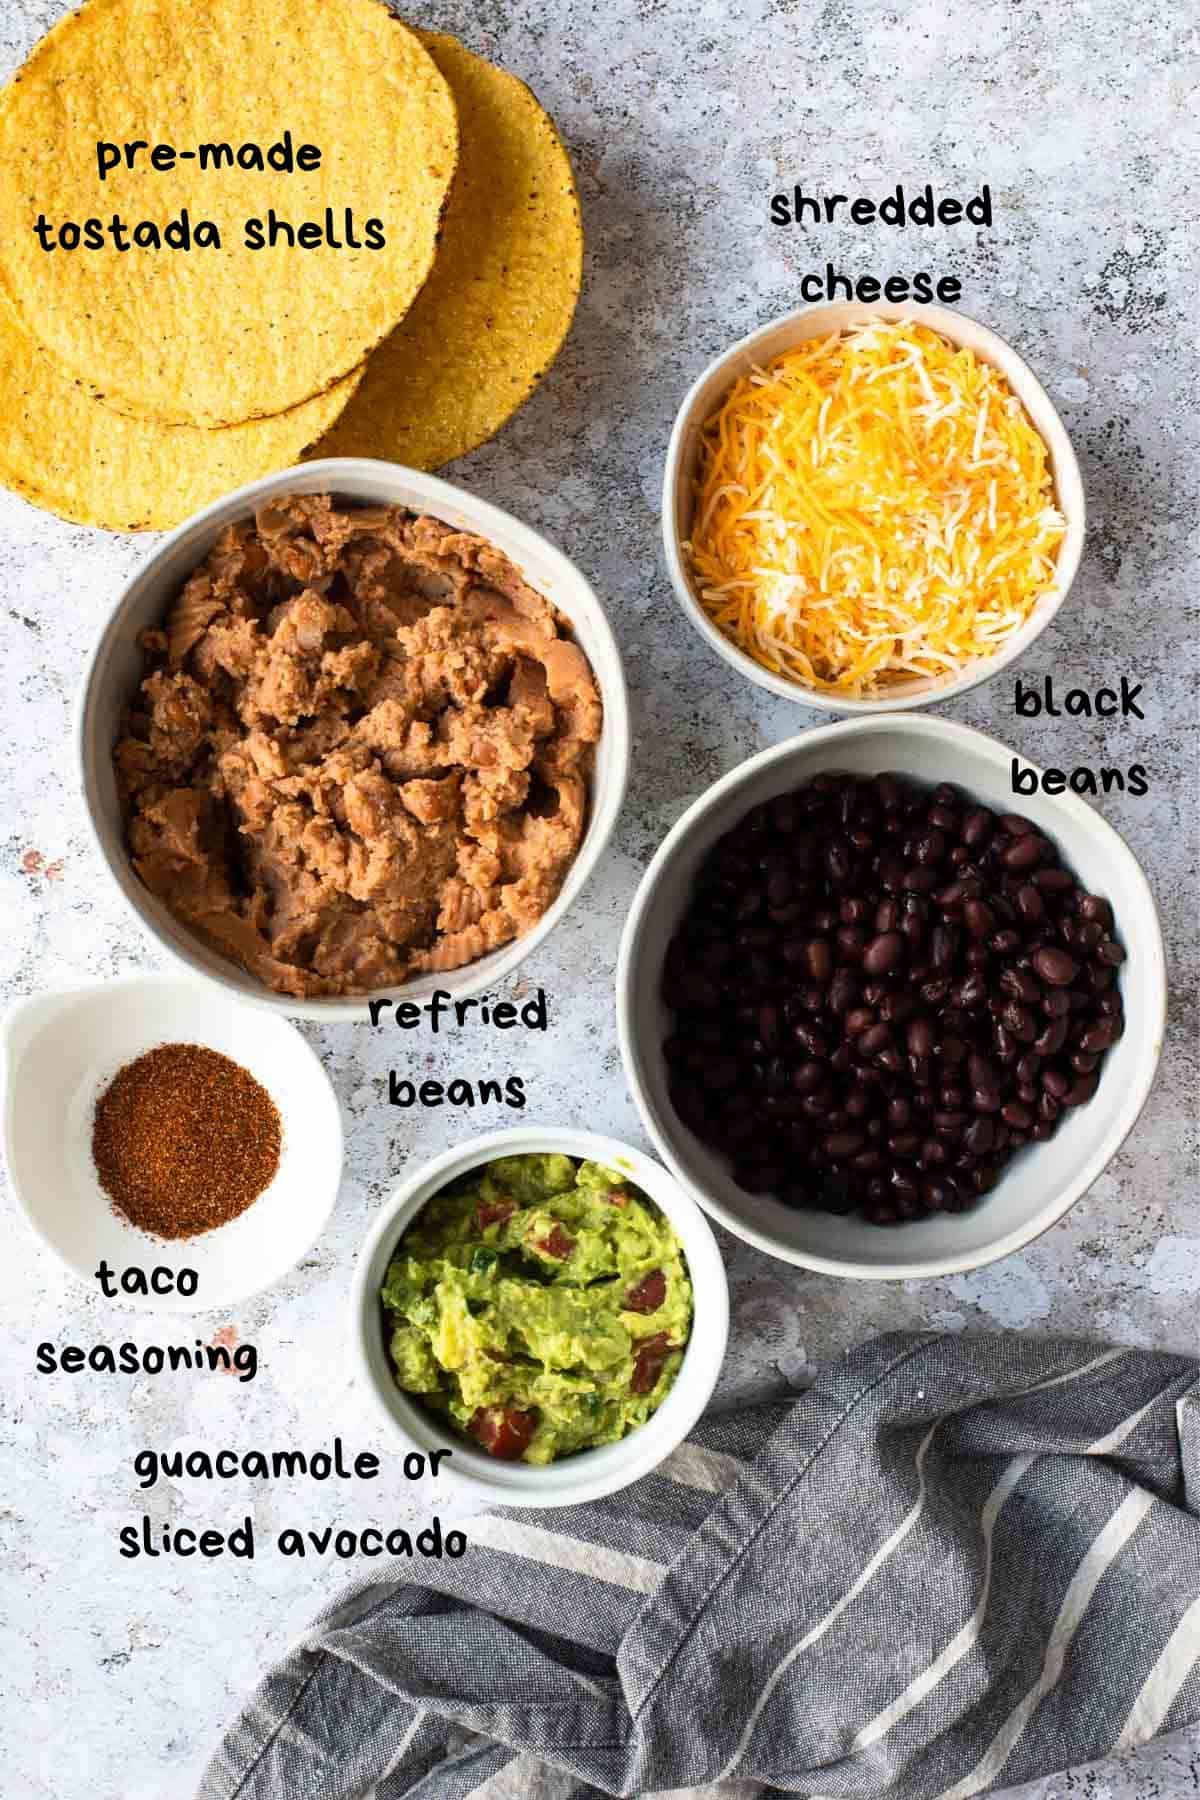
<point x="205" y="336"/>
<point x="499" y="302"/>
<point x="69" y="453"/>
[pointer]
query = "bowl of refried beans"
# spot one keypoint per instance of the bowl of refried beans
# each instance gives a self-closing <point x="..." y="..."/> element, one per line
<point x="352" y="732"/>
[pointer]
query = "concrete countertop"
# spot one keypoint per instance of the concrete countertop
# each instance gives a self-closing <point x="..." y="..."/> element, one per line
<point x="683" y="122"/>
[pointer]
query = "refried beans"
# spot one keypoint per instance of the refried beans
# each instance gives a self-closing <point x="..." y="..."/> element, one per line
<point x="360" y="750"/>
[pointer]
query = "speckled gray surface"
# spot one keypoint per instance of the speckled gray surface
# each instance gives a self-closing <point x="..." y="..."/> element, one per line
<point x="1083" y="120"/>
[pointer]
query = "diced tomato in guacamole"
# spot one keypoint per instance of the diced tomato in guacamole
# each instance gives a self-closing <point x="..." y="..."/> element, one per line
<point x="542" y="1306"/>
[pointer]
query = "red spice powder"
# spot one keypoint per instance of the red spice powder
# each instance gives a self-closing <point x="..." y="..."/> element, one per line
<point x="184" y="1140"/>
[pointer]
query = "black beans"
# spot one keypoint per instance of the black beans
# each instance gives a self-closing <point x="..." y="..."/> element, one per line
<point x="943" y="945"/>
<point x="818" y="959"/>
<point x="1019" y="1021"/>
<point x="843" y="991"/>
<point x="810" y="1038"/>
<point x="780" y="888"/>
<point x="1055" y="966"/>
<point x="1101" y="1036"/>
<point x="950" y="899"/>
<point x="1021" y="985"/>
<point x="840" y="1146"/>
<point x="883" y="953"/>
<point x="879" y="995"/>
<point x="807" y="1077"/>
<point x="770" y="1025"/>
<point x="868" y="1162"/>
<point x="794" y="950"/>
<point x="977" y="1138"/>
<point x="979" y="918"/>
<point x="970" y="993"/>
<point x="897" y="1007"/>
<point x="1051" y="1039"/>
<point x="1054" y="881"/>
<point x="1093" y="908"/>
<point x="977" y="828"/>
<point x="1029" y="903"/>
<point x="904" y="1143"/>
<point x="839" y="860"/>
<point x="850" y="941"/>
<point x="1022" y="853"/>
<point x="720" y="1073"/>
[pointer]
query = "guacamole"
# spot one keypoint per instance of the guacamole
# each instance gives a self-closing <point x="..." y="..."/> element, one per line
<point x="541" y="1305"/>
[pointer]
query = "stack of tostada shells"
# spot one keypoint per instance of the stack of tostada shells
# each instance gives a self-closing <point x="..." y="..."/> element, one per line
<point x="138" y="384"/>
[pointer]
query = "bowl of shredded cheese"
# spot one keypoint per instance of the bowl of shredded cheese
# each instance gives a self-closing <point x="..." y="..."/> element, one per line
<point x="871" y="507"/>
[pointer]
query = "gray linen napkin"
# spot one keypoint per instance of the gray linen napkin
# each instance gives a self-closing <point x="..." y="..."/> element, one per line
<point x="951" y="1565"/>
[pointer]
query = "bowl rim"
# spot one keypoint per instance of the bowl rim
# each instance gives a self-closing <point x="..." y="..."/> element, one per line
<point x="1063" y="462"/>
<point x="472" y="1472"/>
<point x="339" y="474"/>
<point x="962" y="738"/>
<point x="54" y="998"/>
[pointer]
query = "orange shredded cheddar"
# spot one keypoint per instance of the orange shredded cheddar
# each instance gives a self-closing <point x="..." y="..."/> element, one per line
<point x="872" y="508"/>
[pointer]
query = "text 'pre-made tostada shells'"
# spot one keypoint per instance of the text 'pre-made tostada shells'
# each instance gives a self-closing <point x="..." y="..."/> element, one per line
<point x="211" y="213"/>
<point x="74" y="456"/>
<point x="499" y="302"/>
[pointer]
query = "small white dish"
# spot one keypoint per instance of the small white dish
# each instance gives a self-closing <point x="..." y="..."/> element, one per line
<point x="115" y="668"/>
<point x="590" y="1473"/>
<point x="60" y="1051"/>
<point x="783" y="334"/>
<point x="1042" y="1182"/>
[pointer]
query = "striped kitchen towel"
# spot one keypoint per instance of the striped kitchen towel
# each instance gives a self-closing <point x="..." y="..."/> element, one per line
<point x="953" y="1564"/>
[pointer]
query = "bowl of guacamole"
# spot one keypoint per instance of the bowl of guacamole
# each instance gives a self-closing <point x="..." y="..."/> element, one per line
<point x="541" y="1305"/>
<point x="555" y="1312"/>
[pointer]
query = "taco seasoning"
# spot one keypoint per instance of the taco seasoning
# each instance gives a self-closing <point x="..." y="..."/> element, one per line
<point x="184" y="1139"/>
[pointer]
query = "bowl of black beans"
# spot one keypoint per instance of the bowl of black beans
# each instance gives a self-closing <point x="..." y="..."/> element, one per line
<point x="883" y="1018"/>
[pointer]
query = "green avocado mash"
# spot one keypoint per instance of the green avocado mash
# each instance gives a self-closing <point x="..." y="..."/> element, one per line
<point x="542" y="1305"/>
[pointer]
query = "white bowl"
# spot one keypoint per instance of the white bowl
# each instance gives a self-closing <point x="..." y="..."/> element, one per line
<point x="821" y="321"/>
<point x="590" y="1473"/>
<point x="60" y="1051"/>
<point x="1042" y="1182"/>
<point x="115" y="668"/>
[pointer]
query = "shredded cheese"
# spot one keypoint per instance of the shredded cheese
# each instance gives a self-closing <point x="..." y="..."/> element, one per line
<point x="872" y="508"/>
